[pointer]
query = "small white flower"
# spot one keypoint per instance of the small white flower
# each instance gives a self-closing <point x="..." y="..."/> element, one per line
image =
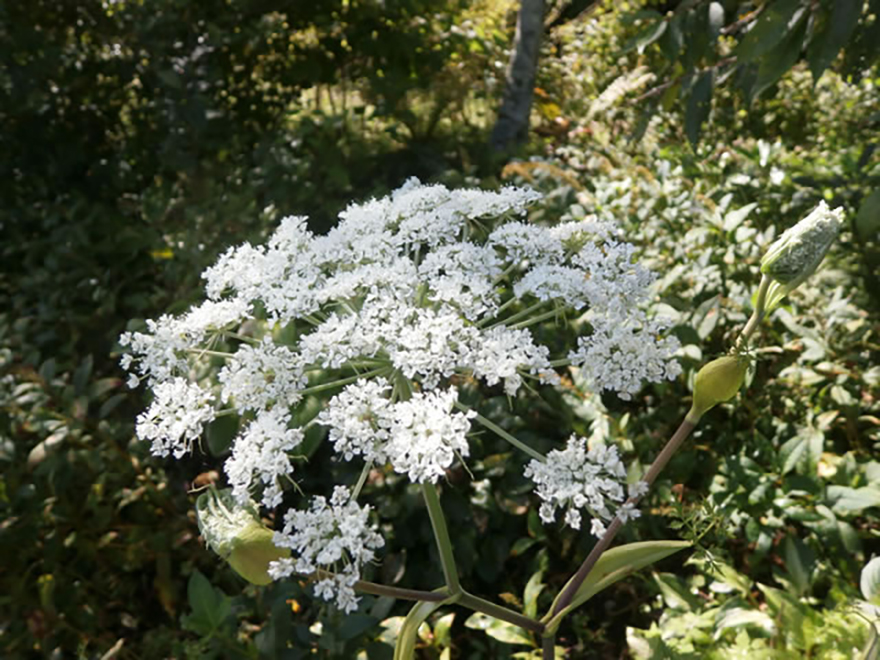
<point x="358" y="417"/>
<point x="334" y="537"/>
<point x="176" y="418"/>
<point x="425" y="435"/>
<point x="579" y="478"/>
<point x="261" y="455"/>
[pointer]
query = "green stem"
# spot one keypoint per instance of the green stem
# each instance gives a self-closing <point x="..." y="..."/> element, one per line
<point x="441" y="535"/>
<point x="385" y="590"/>
<point x="343" y="381"/>
<point x="604" y="543"/>
<point x="534" y="319"/>
<point x="235" y="335"/>
<point x="205" y="351"/>
<point x="519" y="315"/>
<point x="492" y="426"/>
<point x="362" y="480"/>
<point x="548" y="647"/>
<point x="507" y="271"/>
<point x="499" y="612"/>
<point x="561" y="362"/>
<point x="757" y="316"/>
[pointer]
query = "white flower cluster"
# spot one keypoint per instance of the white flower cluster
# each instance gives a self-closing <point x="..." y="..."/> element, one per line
<point x="406" y="295"/>
<point x="580" y="478"/>
<point x="336" y="538"/>
<point x="419" y="436"/>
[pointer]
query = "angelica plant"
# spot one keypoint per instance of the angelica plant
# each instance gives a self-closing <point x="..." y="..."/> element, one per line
<point x="406" y="299"/>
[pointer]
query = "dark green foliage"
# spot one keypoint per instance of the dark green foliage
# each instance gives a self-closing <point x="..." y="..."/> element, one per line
<point x="126" y="169"/>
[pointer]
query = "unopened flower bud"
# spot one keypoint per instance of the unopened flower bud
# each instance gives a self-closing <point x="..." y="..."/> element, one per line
<point x="717" y="382"/>
<point x="798" y="252"/>
<point x="236" y="533"/>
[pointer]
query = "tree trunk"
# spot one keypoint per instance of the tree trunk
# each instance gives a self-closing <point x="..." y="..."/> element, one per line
<point x="512" y="125"/>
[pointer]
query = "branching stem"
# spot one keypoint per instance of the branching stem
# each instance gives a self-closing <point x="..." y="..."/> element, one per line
<point x="604" y="543"/>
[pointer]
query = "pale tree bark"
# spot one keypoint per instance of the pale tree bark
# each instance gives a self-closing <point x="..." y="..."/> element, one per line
<point x="512" y="125"/>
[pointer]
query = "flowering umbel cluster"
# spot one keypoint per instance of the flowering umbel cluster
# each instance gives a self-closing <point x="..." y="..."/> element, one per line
<point x="390" y="311"/>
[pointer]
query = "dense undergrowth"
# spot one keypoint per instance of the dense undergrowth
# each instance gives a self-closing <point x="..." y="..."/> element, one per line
<point x="118" y="194"/>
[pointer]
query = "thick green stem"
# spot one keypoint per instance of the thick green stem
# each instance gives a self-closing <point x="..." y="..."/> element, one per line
<point x="604" y="543"/>
<point x="397" y="592"/>
<point x="441" y="535"/>
<point x="519" y="444"/>
<point x="386" y="590"/>
<point x="548" y="647"/>
<point x="500" y="612"/>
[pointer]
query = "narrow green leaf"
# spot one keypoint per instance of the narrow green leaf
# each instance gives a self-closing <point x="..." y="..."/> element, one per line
<point x="774" y="23"/>
<point x="698" y="107"/>
<point x="614" y="565"/>
<point x="799" y="561"/>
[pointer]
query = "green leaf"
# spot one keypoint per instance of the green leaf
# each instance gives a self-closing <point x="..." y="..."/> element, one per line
<point x="774" y="23"/>
<point x="82" y="374"/>
<point x="614" y="565"/>
<point x="504" y="632"/>
<point x="780" y="59"/>
<point x="799" y="561"/>
<point x="405" y="647"/>
<point x="210" y="606"/>
<point x="646" y="36"/>
<point x="533" y="589"/>
<point x="675" y="594"/>
<point x="868" y="218"/>
<point x="220" y="434"/>
<point x="739" y="617"/>
<point x="839" y="28"/>
<point x="354" y="624"/>
<point x="869" y="582"/>
<point x="852" y="500"/>
<point x="443" y="630"/>
<point x="803" y="452"/>
<point x="698" y="107"/>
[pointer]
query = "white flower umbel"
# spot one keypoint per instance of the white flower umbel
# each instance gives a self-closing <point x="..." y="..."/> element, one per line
<point x="260" y="456"/>
<point x="622" y="353"/>
<point x="335" y="537"/>
<point x="406" y="297"/>
<point x="258" y="376"/>
<point x="425" y="435"/>
<point x="176" y="418"/>
<point x="357" y="418"/>
<point x="577" y="478"/>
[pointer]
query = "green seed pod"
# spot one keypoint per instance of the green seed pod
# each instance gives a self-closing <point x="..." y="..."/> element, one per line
<point x="717" y="382"/>
<point x="237" y="534"/>
<point x="798" y="252"/>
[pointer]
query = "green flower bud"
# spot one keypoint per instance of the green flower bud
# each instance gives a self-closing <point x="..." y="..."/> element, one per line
<point x="717" y="382"/>
<point x="237" y="534"/>
<point x="798" y="252"/>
